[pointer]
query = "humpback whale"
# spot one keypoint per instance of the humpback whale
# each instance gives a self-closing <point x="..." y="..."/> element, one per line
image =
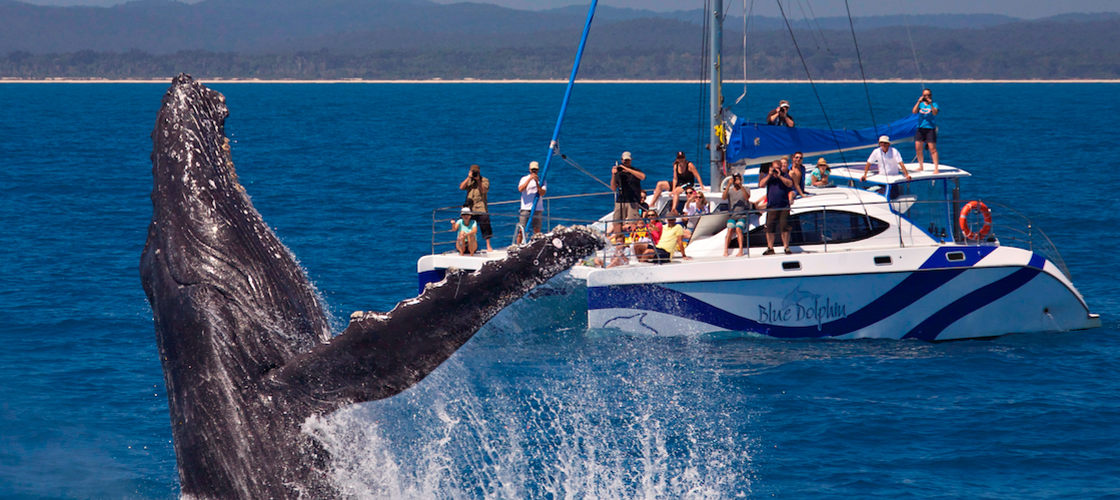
<point x="246" y="347"/>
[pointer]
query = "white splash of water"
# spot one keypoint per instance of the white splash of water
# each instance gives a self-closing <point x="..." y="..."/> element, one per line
<point x="553" y="428"/>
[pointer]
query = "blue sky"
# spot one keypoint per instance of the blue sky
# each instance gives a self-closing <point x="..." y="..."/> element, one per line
<point x="822" y="8"/>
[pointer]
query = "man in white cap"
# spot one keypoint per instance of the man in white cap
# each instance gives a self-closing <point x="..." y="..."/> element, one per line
<point x="626" y="182"/>
<point x="887" y="159"/>
<point x="529" y="190"/>
<point x="780" y="115"/>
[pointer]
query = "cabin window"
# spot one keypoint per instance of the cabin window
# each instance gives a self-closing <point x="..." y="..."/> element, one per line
<point x="824" y="226"/>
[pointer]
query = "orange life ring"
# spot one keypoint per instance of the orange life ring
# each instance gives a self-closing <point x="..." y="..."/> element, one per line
<point x="979" y="235"/>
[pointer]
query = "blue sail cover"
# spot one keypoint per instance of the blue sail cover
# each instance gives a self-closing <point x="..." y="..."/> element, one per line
<point x="757" y="143"/>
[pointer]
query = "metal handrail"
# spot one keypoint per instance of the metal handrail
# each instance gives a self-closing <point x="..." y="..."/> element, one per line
<point x="1009" y="226"/>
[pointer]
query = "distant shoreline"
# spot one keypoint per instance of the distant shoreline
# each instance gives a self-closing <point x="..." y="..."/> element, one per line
<point x="493" y="81"/>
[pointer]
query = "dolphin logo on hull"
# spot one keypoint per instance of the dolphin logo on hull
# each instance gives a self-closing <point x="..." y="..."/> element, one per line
<point x="245" y="344"/>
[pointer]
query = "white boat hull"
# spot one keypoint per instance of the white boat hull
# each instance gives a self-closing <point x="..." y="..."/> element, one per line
<point x="919" y="294"/>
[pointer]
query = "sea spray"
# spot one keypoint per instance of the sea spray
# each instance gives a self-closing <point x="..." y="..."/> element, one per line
<point x="506" y="418"/>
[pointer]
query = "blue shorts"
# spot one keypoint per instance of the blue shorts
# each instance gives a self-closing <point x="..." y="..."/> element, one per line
<point x="926" y="135"/>
<point x="736" y="222"/>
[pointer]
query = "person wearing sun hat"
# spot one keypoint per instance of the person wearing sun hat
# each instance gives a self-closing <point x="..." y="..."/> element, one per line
<point x="887" y="159"/>
<point x="528" y="186"/>
<point x="821" y="174"/>
<point x="466" y="241"/>
<point x="780" y="115"/>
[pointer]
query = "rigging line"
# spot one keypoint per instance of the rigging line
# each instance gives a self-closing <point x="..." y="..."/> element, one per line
<point x="812" y="84"/>
<point x="817" y="22"/>
<point x="746" y="16"/>
<point x="578" y="167"/>
<point x="805" y="17"/>
<point x="553" y="144"/>
<point x="906" y="19"/>
<point x="866" y="89"/>
<point x="701" y="104"/>
<point x="843" y="157"/>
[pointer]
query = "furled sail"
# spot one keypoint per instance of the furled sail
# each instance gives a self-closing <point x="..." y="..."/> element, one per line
<point x="757" y="143"/>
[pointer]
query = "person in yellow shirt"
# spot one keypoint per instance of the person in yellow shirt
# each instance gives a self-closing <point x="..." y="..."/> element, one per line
<point x="671" y="240"/>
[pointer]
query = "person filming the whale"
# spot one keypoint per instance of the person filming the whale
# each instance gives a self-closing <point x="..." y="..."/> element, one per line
<point x="927" y="111"/>
<point x="478" y="188"/>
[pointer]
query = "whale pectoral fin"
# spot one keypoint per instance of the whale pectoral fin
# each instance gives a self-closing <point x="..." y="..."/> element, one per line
<point x="381" y="355"/>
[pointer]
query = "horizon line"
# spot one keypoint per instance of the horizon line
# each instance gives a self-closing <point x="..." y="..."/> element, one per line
<point x="559" y="81"/>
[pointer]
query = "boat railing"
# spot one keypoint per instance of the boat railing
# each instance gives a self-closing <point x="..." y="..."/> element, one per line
<point x="1012" y="228"/>
<point x="825" y="227"/>
<point x="505" y="215"/>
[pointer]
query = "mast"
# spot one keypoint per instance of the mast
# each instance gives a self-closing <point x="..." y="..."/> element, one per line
<point x="715" y="94"/>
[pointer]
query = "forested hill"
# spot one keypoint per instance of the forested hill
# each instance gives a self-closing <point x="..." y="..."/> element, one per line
<point x="417" y="39"/>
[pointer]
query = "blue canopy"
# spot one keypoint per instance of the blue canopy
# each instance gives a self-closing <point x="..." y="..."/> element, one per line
<point x="757" y="143"/>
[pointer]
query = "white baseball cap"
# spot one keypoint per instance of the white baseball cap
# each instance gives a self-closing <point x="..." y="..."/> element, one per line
<point x="625" y="155"/>
<point x="534" y="165"/>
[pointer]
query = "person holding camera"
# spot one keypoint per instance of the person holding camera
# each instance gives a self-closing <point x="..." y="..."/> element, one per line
<point x="529" y="186"/>
<point x="477" y="188"/>
<point x="778" y="186"/>
<point x="626" y="182"/>
<point x="927" y="111"/>
<point x="739" y="206"/>
<point x="780" y="115"/>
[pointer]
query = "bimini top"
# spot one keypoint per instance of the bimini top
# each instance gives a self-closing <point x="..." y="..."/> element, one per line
<point x="757" y="143"/>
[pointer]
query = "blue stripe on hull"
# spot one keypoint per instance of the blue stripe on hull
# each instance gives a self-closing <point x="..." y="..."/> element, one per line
<point x="939" y="321"/>
<point x="429" y="276"/>
<point x="940" y="258"/>
<point x="911" y="289"/>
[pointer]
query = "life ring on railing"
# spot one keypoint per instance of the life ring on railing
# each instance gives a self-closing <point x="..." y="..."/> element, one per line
<point x="965" y="230"/>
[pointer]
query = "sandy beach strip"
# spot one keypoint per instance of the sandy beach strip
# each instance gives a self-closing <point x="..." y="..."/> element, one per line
<point x="582" y="81"/>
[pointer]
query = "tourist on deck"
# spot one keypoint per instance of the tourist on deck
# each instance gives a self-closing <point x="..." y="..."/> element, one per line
<point x="821" y="174"/>
<point x="780" y="115"/>
<point x="640" y="237"/>
<point x="696" y="206"/>
<point x="887" y="160"/>
<point x="685" y="176"/>
<point x="798" y="174"/>
<point x="655" y="226"/>
<point x="778" y="188"/>
<point x="672" y="239"/>
<point x="927" y="111"/>
<point x="466" y="241"/>
<point x="626" y="182"/>
<point x="738" y="205"/>
<point x="477" y="188"/>
<point x="529" y="190"/>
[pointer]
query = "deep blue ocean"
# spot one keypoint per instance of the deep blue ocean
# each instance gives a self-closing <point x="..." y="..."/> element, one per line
<point x="348" y="175"/>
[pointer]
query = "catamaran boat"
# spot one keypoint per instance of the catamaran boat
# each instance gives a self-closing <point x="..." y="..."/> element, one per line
<point x="881" y="257"/>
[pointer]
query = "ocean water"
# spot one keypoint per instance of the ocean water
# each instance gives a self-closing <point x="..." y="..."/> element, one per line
<point x="348" y="175"/>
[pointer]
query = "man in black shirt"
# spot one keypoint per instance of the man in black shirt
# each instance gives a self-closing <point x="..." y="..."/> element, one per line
<point x="626" y="182"/>
<point x="780" y="115"/>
